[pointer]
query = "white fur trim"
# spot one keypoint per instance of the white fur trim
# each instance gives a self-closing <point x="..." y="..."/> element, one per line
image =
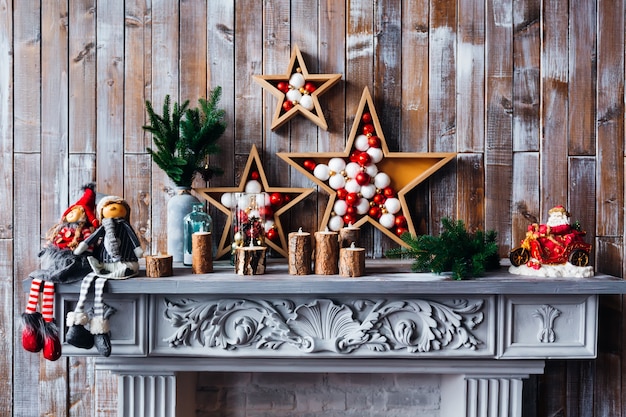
<point x="98" y="325"/>
<point x="75" y="317"/>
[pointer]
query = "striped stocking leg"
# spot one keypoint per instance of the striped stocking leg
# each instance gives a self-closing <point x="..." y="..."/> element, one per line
<point x="51" y="343"/>
<point x="76" y="320"/>
<point x="32" y="321"/>
<point x="99" y="325"/>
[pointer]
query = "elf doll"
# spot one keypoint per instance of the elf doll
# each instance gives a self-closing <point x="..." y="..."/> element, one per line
<point x="58" y="265"/>
<point x="116" y="253"/>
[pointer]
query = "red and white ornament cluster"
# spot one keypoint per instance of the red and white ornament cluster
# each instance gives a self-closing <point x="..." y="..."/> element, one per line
<point x="257" y="211"/>
<point x="362" y="190"/>
<point x="297" y="91"/>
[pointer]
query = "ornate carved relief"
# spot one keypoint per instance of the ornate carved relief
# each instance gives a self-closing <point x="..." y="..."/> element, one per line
<point x="546" y="314"/>
<point x="324" y="325"/>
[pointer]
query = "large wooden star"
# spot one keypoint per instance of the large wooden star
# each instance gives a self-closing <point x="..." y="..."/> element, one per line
<point x="253" y="165"/>
<point x="405" y="171"/>
<point x="313" y="86"/>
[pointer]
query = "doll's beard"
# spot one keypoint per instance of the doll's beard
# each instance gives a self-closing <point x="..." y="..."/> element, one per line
<point x="110" y="239"/>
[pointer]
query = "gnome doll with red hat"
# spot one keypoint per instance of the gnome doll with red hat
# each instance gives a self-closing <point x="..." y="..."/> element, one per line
<point x="58" y="265"/>
<point x="116" y="253"/>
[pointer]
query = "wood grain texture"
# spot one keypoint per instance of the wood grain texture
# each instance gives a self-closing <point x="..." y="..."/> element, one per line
<point x="6" y="124"/>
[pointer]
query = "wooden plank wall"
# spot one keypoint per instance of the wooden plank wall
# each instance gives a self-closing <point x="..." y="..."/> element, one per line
<point x="530" y="93"/>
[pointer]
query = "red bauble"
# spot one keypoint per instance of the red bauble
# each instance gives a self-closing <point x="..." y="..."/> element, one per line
<point x="364" y="159"/>
<point x="309" y="164"/>
<point x="309" y="87"/>
<point x="379" y="199"/>
<point x="277" y="199"/>
<point x="271" y="234"/>
<point x="287" y="105"/>
<point x="242" y="216"/>
<point x="374" y="212"/>
<point x="283" y="86"/>
<point x="400" y="221"/>
<point x="374" y="141"/>
<point x="401" y="230"/>
<point x="366" y="118"/>
<point x="266" y="212"/>
<point x="286" y="198"/>
<point x="362" y="178"/>
<point x="352" y="199"/>
<point x="349" y="219"/>
<point x="342" y="193"/>
<point x="369" y="129"/>
<point x="254" y="175"/>
<point x="354" y="156"/>
<point x="351" y="210"/>
<point x="389" y="192"/>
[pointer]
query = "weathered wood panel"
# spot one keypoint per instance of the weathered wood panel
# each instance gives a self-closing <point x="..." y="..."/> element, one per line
<point x="6" y="127"/>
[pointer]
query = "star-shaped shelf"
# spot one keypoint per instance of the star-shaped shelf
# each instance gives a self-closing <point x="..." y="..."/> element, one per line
<point x="254" y="171"/>
<point x="366" y="182"/>
<point x="297" y="91"/>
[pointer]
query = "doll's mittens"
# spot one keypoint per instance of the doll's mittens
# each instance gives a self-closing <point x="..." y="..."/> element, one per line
<point x="32" y="331"/>
<point x="76" y="334"/>
<point x="52" y="344"/>
<point x="103" y="344"/>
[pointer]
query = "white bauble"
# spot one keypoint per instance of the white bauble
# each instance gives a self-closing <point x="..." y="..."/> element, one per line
<point x="227" y="200"/>
<point x="253" y="186"/>
<point x="361" y="143"/>
<point x="321" y="172"/>
<point x="336" y="181"/>
<point x="294" y="95"/>
<point x="376" y="154"/>
<point x="268" y="225"/>
<point x="371" y="170"/>
<point x="340" y="207"/>
<point x="392" y="205"/>
<point x="335" y="223"/>
<point x="243" y="201"/>
<point x="382" y="180"/>
<point x="387" y="220"/>
<point x="363" y="206"/>
<point x="352" y="168"/>
<point x="352" y="186"/>
<point x="368" y="191"/>
<point x="254" y="214"/>
<point x="296" y="80"/>
<point x="336" y="164"/>
<point x="307" y="102"/>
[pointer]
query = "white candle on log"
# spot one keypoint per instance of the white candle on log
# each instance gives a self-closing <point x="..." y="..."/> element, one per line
<point x="351" y="261"/>
<point x="349" y="235"/>
<point x="250" y="260"/>
<point x="299" y="253"/>
<point x="326" y="252"/>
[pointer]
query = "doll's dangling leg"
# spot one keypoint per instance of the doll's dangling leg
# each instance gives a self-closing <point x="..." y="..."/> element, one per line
<point x="99" y="325"/>
<point x="32" y="321"/>
<point x="51" y="342"/>
<point x="76" y="320"/>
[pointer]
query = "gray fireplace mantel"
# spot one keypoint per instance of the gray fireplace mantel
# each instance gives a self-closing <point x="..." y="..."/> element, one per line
<point x="483" y="336"/>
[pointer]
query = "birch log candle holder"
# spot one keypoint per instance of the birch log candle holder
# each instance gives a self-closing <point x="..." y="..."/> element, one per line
<point x="300" y="250"/>
<point x="201" y="252"/>
<point x="326" y="253"/>
<point x="351" y="261"/>
<point x="250" y="260"/>
<point x="349" y="235"/>
<point x="158" y="266"/>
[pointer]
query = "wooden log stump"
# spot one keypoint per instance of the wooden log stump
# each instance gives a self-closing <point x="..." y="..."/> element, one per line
<point x="326" y="253"/>
<point x="159" y="266"/>
<point x="250" y="260"/>
<point x="300" y="250"/>
<point x="349" y="235"/>
<point x="201" y="253"/>
<point x="351" y="261"/>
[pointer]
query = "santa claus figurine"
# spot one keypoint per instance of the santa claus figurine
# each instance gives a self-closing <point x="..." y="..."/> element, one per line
<point x="58" y="265"/>
<point x="116" y="252"/>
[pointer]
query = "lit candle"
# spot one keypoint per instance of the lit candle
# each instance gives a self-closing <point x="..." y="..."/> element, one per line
<point x="299" y="253"/>
<point x="326" y="252"/>
<point x="351" y="261"/>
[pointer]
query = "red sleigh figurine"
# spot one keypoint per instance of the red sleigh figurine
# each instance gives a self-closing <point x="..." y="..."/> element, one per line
<point x="553" y="243"/>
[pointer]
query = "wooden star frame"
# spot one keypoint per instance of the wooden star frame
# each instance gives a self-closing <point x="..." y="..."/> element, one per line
<point x="322" y="82"/>
<point x="405" y="169"/>
<point x="213" y="196"/>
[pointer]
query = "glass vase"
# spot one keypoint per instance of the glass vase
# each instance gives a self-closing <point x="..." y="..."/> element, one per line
<point x="196" y="221"/>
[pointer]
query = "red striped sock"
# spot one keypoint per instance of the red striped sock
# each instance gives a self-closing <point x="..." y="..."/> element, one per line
<point x="47" y="304"/>
<point x="33" y="296"/>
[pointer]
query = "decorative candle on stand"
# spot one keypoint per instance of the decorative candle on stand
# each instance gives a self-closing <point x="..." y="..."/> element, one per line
<point x="202" y="253"/>
<point x="351" y="261"/>
<point x="349" y="235"/>
<point x="326" y="252"/>
<point x="299" y="253"/>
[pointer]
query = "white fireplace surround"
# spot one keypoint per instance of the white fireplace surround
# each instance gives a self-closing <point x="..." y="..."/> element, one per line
<point x="483" y="336"/>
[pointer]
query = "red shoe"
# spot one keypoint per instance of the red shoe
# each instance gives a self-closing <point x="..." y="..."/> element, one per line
<point x="32" y="331"/>
<point x="52" y="344"/>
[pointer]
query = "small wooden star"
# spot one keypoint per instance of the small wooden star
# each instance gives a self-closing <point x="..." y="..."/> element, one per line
<point x="405" y="171"/>
<point x="308" y="85"/>
<point x="253" y="165"/>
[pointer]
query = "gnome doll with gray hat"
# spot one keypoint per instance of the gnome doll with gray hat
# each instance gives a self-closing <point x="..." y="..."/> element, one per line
<point x="116" y="253"/>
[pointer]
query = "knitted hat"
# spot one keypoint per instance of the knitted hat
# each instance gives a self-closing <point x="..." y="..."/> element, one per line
<point x="88" y="203"/>
<point x="111" y="199"/>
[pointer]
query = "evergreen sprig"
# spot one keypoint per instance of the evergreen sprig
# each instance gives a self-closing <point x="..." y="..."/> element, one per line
<point x="184" y="137"/>
<point x="465" y="254"/>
